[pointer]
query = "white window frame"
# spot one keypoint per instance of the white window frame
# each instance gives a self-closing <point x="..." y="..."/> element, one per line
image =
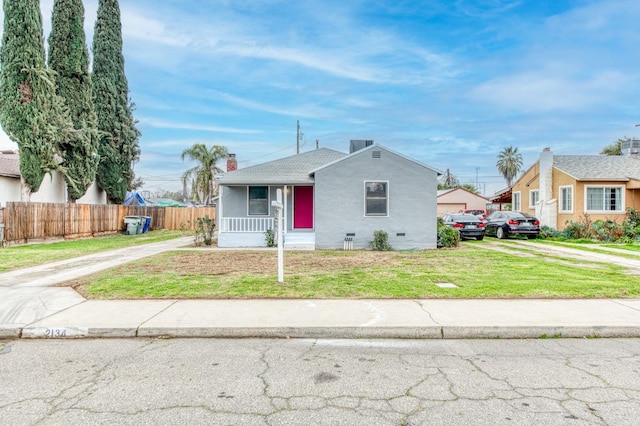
<point x="386" y="182"/>
<point x="249" y="201"/>
<point x="561" y="190"/>
<point x="517" y="195"/>
<point x="604" y="187"/>
<point x="532" y="204"/>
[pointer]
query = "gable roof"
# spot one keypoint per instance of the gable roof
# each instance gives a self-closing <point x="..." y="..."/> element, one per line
<point x="599" y="167"/>
<point x="10" y="165"/>
<point x="289" y="170"/>
<point x="459" y="188"/>
<point x="376" y="146"/>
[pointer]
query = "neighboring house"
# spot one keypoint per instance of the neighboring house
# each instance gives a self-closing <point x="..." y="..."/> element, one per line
<point x="456" y="199"/>
<point x="52" y="190"/>
<point x="330" y="196"/>
<point x="561" y="188"/>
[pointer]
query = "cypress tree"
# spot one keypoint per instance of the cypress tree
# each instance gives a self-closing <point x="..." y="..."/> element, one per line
<point x="118" y="147"/>
<point x="31" y="113"/>
<point x="69" y="58"/>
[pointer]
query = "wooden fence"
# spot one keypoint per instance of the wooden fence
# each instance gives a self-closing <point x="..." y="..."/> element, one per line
<point x="21" y="222"/>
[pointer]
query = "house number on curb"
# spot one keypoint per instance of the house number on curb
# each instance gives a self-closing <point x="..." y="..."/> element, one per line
<point x="54" y="333"/>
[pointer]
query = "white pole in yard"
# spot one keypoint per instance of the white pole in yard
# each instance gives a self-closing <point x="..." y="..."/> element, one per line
<point x="278" y="205"/>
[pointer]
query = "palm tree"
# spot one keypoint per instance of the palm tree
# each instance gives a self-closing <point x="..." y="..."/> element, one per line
<point x="509" y="163"/>
<point x="202" y="175"/>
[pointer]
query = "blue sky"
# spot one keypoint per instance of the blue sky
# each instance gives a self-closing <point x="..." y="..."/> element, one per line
<point x="449" y="83"/>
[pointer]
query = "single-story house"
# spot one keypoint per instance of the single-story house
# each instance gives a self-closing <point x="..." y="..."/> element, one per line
<point x="330" y="197"/>
<point x="561" y="188"/>
<point x="52" y="190"/>
<point x="455" y="199"/>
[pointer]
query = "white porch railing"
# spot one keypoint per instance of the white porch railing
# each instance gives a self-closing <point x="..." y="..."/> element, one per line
<point x="246" y="224"/>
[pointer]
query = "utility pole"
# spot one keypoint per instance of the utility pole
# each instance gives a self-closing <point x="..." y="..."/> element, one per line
<point x="297" y="136"/>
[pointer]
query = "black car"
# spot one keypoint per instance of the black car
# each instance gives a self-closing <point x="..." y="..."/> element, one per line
<point x="468" y="225"/>
<point x="506" y="223"/>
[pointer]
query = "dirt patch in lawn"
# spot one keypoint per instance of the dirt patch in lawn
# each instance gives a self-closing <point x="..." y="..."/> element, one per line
<point x="229" y="262"/>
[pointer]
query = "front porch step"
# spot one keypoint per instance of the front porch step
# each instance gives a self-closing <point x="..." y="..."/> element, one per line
<point x="300" y="240"/>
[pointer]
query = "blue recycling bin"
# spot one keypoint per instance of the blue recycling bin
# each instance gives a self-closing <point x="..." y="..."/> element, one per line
<point x="147" y="223"/>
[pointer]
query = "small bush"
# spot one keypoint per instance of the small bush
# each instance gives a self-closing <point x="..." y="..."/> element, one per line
<point x="205" y="228"/>
<point x="576" y="230"/>
<point x="270" y="238"/>
<point x="447" y="236"/>
<point x="380" y="241"/>
<point x="549" y="232"/>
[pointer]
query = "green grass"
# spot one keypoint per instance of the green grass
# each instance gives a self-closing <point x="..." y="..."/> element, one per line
<point x="598" y="247"/>
<point x="478" y="273"/>
<point x="35" y="254"/>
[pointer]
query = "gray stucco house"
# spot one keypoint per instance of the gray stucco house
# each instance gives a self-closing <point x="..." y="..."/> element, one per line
<point x="329" y="196"/>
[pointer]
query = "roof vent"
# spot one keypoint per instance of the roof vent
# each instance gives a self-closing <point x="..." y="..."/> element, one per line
<point x="375" y="154"/>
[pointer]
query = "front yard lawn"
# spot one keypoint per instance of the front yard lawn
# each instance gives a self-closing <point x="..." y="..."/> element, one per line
<point x="16" y="257"/>
<point x="476" y="271"/>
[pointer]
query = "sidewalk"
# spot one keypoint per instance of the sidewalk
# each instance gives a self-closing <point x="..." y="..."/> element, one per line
<point x="31" y="308"/>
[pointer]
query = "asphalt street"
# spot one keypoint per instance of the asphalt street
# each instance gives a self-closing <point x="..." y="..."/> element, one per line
<point x="320" y="382"/>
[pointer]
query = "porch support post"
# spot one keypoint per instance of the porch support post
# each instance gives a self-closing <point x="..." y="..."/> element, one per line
<point x="285" y="210"/>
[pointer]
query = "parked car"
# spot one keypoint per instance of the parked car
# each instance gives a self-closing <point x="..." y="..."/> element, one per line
<point x="468" y="225"/>
<point x="480" y="214"/>
<point x="507" y="223"/>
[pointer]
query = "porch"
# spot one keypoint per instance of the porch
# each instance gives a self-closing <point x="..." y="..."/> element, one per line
<point x="250" y="232"/>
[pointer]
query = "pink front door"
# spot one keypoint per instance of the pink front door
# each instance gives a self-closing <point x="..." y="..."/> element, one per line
<point x="303" y="207"/>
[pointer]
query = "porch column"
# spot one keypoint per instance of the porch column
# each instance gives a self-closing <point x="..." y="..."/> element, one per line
<point x="285" y="210"/>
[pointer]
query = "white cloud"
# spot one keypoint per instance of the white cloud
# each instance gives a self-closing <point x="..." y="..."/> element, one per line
<point x="164" y="124"/>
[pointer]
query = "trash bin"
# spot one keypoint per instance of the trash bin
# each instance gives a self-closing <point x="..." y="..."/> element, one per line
<point x="147" y="223"/>
<point x="133" y="225"/>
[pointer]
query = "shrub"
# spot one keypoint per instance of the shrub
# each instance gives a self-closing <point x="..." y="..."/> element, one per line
<point x="270" y="238"/>
<point x="447" y="236"/>
<point x="606" y="230"/>
<point x="549" y="232"/>
<point x="380" y="241"/>
<point x="576" y="230"/>
<point x="205" y="227"/>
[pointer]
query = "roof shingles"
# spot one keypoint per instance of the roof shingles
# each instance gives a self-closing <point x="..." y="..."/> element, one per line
<point x="295" y="169"/>
<point x="10" y="165"/>
<point x="599" y="167"/>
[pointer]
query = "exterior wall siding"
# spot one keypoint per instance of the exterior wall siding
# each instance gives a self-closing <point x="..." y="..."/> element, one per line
<point x="530" y="180"/>
<point x="340" y="198"/>
<point x="10" y="190"/>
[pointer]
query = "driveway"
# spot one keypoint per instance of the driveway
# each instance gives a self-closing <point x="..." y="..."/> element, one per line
<point x="567" y="254"/>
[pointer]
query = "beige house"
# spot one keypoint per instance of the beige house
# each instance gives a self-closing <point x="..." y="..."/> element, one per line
<point x="52" y="190"/>
<point x="456" y="199"/>
<point x="561" y="188"/>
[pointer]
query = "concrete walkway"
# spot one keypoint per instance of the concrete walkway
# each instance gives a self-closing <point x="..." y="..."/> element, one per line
<point x="31" y="308"/>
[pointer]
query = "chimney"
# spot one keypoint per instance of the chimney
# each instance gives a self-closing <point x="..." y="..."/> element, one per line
<point x="232" y="163"/>
<point x="358" y="144"/>
<point x="546" y="210"/>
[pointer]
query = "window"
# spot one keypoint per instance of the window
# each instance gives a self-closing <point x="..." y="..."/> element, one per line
<point x="376" y="198"/>
<point x="566" y="199"/>
<point x="604" y="198"/>
<point x="534" y="197"/>
<point x="259" y="200"/>
<point x="515" y="202"/>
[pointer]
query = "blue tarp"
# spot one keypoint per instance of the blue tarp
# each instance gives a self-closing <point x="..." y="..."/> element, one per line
<point x="134" y="199"/>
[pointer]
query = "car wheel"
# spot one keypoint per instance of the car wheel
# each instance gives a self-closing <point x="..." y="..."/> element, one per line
<point x="479" y="238"/>
<point x="501" y="234"/>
